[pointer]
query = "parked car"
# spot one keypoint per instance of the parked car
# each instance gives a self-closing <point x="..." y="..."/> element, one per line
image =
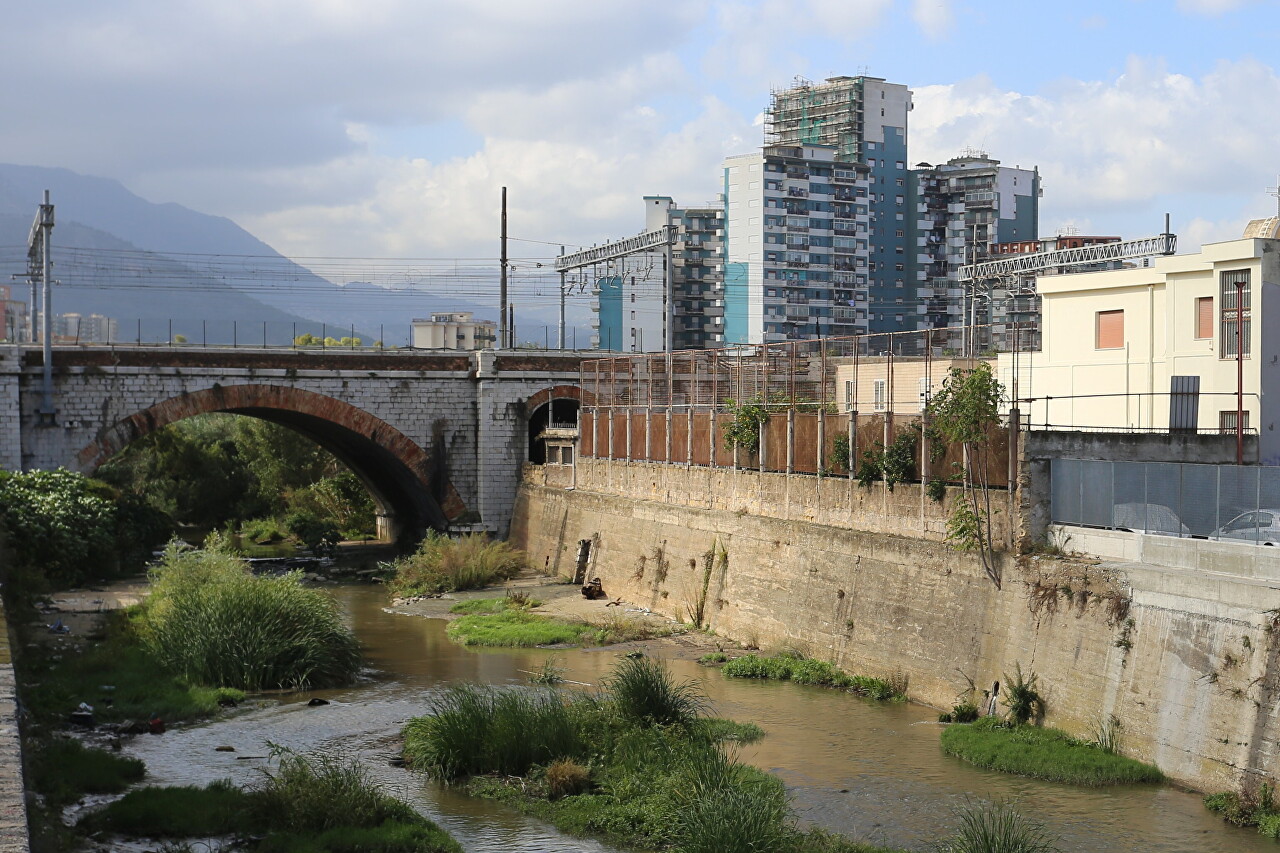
<point x="1148" y="518"/>
<point x="1261" y="526"/>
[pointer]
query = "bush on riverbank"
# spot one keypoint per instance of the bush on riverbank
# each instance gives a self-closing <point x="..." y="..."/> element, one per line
<point x="1248" y="807"/>
<point x="442" y="564"/>
<point x="808" y="671"/>
<point x="309" y="804"/>
<point x="1043" y="753"/>
<point x="211" y="621"/>
<point x="646" y="768"/>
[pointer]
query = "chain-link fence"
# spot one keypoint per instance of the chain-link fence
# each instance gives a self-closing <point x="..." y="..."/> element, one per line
<point x="1228" y="502"/>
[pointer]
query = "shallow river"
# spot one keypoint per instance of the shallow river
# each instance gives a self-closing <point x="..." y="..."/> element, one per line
<point x="873" y="771"/>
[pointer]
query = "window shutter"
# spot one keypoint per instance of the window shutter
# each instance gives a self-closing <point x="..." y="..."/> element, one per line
<point x="1204" y="317"/>
<point x="1110" y="330"/>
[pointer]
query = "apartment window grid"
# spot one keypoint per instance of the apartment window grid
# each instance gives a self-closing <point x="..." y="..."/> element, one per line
<point x="848" y="396"/>
<point x="1235" y="288"/>
<point x="880" y="395"/>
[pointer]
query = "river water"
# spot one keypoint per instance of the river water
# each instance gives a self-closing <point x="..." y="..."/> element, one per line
<point x="873" y="771"/>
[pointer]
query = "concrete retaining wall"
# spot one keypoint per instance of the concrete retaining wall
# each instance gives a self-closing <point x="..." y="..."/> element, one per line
<point x="1190" y="667"/>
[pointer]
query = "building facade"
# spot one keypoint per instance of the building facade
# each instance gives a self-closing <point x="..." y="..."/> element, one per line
<point x="457" y="330"/>
<point x="963" y="208"/>
<point x="797" y="221"/>
<point x="1154" y="347"/>
<point x="77" y="328"/>
<point x="641" y="305"/>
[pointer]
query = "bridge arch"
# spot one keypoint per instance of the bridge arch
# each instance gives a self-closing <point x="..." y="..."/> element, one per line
<point x="406" y="481"/>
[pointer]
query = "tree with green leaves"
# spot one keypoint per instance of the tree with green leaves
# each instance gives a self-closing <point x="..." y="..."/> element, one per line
<point x="962" y="412"/>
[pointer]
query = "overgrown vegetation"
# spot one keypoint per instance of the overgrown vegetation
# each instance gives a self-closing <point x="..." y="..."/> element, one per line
<point x="962" y="412"/>
<point x="443" y="564"/>
<point x="212" y="622"/>
<point x="307" y="804"/>
<point x="267" y="481"/>
<point x="639" y="765"/>
<point x="1043" y="753"/>
<point x="803" y="670"/>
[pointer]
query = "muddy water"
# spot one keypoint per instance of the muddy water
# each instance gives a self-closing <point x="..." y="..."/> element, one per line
<point x="872" y="771"/>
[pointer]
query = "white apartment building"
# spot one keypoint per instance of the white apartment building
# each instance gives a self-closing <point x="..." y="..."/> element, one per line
<point x="455" y="330"/>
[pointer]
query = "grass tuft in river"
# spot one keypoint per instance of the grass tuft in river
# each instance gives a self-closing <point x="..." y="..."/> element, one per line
<point x="1248" y="807"/>
<point x="308" y="804"/>
<point x="63" y="770"/>
<point x="803" y="670"/>
<point x="1043" y="753"/>
<point x="998" y="828"/>
<point x="639" y="765"/>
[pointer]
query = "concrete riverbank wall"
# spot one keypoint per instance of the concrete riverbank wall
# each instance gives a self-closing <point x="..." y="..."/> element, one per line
<point x="13" y="803"/>
<point x="1187" y="661"/>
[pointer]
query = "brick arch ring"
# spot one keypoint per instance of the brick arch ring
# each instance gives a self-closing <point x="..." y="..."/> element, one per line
<point x="369" y="445"/>
<point x="557" y="392"/>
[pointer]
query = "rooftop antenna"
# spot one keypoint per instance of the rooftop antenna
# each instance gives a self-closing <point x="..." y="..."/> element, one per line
<point x="1275" y="191"/>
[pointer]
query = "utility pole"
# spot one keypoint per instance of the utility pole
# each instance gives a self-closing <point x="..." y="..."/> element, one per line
<point x="562" y="286"/>
<point x="504" y="332"/>
<point x="1239" y="371"/>
<point x="38" y="250"/>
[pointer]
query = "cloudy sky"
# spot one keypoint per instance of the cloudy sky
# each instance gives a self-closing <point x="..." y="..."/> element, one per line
<point x="385" y="127"/>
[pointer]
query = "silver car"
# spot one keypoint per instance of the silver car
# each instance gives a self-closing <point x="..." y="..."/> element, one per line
<point x="1261" y="526"/>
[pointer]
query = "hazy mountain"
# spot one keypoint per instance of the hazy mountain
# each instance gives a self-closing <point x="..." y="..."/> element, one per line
<point x="198" y="296"/>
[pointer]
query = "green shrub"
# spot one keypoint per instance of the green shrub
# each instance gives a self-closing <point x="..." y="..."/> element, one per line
<point x="63" y="769"/>
<point x="713" y="657"/>
<point x="965" y="712"/>
<point x="566" y="777"/>
<point x="442" y="564"/>
<point x="212" y="622"/>
<point x="319" y="534"/>
<point x="263" y="531"/>
<point x="998" y="828"/>
<point x="643" y="690"/>
<point x="1043" y="753"/>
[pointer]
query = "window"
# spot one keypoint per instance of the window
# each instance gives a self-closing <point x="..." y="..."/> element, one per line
<point x="848" y="396"/>
<point x="879" y="393"/>
<point x="924" y="393"/>
<point x="1234" y="318"/>
<point x="1227" y="421"/>
<point x="1109" y="330"/>
<point x="1204" y="317"/>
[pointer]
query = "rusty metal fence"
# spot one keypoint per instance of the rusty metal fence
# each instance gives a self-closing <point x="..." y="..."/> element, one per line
<point x="824" y="404"/>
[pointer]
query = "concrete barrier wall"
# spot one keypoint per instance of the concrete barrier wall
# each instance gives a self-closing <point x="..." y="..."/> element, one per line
<point x="831" y="501"/>
<point x="1191" y="666"/>
<point x="13" y="803"/>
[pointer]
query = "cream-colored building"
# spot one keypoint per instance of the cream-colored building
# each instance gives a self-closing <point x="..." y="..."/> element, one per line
<point x="875" y="385"/>
<point x="453" y="331"/>
<point x="1127" y="348"/>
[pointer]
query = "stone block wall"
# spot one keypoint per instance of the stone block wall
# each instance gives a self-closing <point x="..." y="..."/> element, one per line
<point x="1189" y="666"/>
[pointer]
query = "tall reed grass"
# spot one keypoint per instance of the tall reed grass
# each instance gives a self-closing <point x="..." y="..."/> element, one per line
<point x="442" y="564"/>
<point x="474" y="730"/>
<point x="211" y="621"/>
<point x="721" y="805"/>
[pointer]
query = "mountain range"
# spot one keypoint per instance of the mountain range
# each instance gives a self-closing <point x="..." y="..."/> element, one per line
<point x="162" y="270"/>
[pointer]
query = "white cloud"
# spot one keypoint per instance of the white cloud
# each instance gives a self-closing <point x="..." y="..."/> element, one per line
<point x="1123" y="143"/>
<point x="934" y="17"/>
<point x="1212" y="7"/>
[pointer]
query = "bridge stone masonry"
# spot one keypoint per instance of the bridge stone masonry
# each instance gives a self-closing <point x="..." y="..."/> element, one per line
<point x="437" y="437"/>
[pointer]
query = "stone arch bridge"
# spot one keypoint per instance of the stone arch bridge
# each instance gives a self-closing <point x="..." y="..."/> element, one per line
<point x="438" y="438"/>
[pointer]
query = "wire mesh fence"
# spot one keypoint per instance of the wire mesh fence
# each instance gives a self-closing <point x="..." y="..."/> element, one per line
<point x="1224" y="502"/>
